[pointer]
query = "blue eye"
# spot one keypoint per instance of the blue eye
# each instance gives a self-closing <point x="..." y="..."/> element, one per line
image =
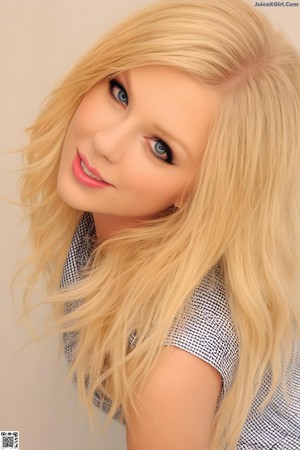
<point x="117" y="92"/>
<point x="161" y="150"/>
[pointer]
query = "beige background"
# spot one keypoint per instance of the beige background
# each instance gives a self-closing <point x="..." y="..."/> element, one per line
<point x="39" y="41"/>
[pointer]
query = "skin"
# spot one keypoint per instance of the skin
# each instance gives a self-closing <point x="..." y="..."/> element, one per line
<point x="115" y="130"/>
<point x="176" y="405"/>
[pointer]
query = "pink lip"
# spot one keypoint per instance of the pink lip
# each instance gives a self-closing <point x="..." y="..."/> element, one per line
<point x="85" y="179"/>
<point x="91" y="169"/>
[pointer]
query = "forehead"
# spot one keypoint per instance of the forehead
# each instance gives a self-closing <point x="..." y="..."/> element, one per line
<point x="173" y="101"/>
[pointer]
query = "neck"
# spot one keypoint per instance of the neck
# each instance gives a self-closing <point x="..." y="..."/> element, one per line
<point x="107" y="225"/>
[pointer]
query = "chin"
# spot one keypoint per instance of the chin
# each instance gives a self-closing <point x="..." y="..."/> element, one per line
<point x="68" y="195"/>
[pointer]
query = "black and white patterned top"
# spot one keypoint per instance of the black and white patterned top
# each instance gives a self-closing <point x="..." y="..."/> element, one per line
<point x="210" y="335"/>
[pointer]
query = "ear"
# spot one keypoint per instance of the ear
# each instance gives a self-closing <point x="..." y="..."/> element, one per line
<point x="178" y="202"/>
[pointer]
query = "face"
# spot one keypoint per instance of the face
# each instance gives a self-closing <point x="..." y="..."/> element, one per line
<point x="135" y="142"/>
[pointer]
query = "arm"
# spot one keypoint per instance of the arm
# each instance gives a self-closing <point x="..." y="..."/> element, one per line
<point x="177" y="404"/>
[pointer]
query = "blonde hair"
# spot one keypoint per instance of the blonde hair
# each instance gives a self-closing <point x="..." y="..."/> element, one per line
<point x="243" y="213"/>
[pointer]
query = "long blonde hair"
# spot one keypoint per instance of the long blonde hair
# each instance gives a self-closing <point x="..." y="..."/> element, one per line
<point x="243" y="213"/>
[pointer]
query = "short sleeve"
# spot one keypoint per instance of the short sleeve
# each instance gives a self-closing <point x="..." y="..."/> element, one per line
<point x="205" y="328"/>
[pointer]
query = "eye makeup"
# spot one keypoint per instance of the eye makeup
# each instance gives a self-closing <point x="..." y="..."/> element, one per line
<point x="119" y="95"/>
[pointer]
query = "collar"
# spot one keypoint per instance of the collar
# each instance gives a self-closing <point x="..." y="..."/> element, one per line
<point x="82" y="245"/>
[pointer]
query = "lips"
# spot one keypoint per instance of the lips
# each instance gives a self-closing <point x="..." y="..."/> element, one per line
<point x="88" y="172"/>
<point x="91" y="170"/>
<point x="87" y="175"/>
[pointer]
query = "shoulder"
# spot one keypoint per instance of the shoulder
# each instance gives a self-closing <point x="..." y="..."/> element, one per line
<point x="206" y="329"/>
<point x="197" y="366"/>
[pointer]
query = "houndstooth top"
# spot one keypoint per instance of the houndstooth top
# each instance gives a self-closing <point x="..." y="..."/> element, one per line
<point x="210" y="335"/>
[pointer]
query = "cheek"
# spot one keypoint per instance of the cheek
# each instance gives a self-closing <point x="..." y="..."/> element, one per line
<point x="153" y="184"/>
<point x="85" y="118"/>
<point x="93" y="113"/>
<point x="80" y="121"/>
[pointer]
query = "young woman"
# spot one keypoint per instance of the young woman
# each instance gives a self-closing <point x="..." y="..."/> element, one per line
<point x="161" y="185"/>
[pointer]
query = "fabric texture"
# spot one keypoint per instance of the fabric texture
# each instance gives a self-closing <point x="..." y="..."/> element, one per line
<point x="209" y="334"/>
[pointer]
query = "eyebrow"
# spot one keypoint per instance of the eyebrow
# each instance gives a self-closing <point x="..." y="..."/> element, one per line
<point x="157" y="127"/>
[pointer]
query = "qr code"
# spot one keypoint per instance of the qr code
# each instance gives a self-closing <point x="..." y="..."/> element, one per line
<point x="10" y="439"/>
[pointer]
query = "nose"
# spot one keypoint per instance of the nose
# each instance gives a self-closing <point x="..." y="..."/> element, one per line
<point x="112" y="141"/>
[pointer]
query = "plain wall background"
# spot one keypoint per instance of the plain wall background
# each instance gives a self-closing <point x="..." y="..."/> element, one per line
<point x="39" y="41"/>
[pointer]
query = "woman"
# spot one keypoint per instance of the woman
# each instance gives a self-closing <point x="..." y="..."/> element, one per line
<point x="161" y="181"/>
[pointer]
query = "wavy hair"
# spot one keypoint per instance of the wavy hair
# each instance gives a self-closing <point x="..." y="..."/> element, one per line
<point x="242" y="213"/>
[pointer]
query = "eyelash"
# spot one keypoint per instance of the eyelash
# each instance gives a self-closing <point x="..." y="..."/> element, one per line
<point x="114" y="83"/>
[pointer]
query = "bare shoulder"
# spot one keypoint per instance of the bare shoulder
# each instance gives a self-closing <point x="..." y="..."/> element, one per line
<point x="176" y="404"/>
